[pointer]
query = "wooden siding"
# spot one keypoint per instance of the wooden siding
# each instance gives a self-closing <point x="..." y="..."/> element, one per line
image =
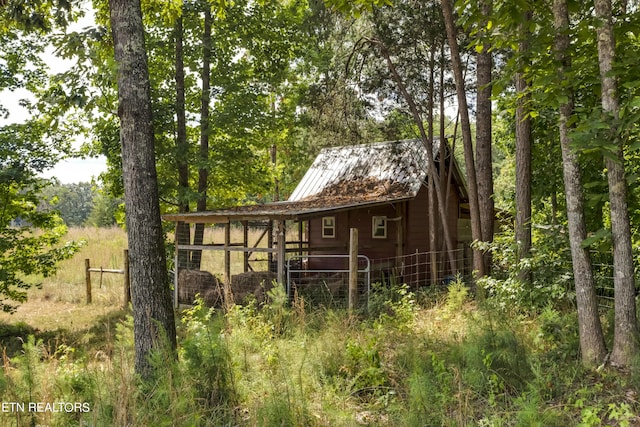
<point x="415" y="230"/>
<point x="361" y="219"/>
<point x="417" y="238"/>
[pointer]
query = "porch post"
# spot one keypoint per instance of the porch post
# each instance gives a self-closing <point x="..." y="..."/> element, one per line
<point x="227" y="254"/>
<point x="176" y="267"/>
<point x="280" y="258"/>
<point x="246" y="253"/>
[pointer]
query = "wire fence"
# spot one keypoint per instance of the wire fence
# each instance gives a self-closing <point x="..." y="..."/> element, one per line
<point x="324" y="279"/>
<point x="603" y="277"/>
<point x="422" y="268"/>
<point x="329" y="285"/>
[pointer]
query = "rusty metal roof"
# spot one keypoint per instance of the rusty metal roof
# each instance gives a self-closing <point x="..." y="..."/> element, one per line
<point x="341" y="178"/>
<point x="396" y="169"/>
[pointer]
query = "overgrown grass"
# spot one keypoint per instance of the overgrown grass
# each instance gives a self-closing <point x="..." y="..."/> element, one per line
<point x="428" y="358"/>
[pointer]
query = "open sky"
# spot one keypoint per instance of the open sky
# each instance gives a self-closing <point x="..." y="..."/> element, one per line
<point x="67" y="171"/>
<point x="70" y="170"/>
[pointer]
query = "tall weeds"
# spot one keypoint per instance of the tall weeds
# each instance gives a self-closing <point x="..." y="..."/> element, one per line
<point x="446" y="362"/>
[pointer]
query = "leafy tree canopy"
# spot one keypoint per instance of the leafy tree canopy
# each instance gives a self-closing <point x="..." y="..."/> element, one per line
<point x="30" y="239"/>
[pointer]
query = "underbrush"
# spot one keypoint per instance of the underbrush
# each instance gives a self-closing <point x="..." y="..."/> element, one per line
<point x="411" y="359"/>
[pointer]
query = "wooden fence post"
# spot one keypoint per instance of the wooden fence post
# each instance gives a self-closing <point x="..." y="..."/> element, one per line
<point x="127" y="283"/>
<point x="87" y="275"/>
<point x="353" y="268"/>
<point x="281" y="254"/>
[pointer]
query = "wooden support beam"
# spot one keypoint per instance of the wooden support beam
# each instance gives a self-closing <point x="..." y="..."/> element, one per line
<point x="245" y="241"/>
<point x="226" y="248"/>
<point x="300" y="242"/>
<point x="281" y="242"/>
<point x="87" y="278"/>
<point x="227" y="254"/>
<point x="270" y="241"/>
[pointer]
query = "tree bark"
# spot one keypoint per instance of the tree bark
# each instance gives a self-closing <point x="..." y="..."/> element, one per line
<point x="183" y="232"/>
<point x="523" y="156"/>
<point x="592" y="346"/>
<point x="625" y="341"/>
<point x="153" y="319"/>
<point x="203" y="170"/>
<point x="483" y="136"/>
<point x="474" y="207"/>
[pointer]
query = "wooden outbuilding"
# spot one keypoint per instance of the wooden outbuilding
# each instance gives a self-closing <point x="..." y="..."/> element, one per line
<point x="381" y="189"/>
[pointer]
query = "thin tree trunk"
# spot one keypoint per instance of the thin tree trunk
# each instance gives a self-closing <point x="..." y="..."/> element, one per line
<point x="433" y="175"/>
<point x="474" y="207"/>
<point x="448" y="179"/>
<point x="203" y="170"/>
<point x="483" y="136"/>
<point x="625" y="341"/>
<point x="433" y="219"/>
<point x="183" y="232"/>
<point x="592" y="346"/>
<point x="523" y="156"/>
<point x="153" y="320"/>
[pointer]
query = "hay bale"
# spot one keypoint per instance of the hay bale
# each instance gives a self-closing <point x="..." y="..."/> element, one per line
<point x="255" y="283"/>
<point x="192" y="282"/>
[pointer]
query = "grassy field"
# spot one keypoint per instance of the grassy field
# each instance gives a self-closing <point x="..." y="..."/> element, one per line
<point x="432" y="357"/>
<point x="60" y="301"/>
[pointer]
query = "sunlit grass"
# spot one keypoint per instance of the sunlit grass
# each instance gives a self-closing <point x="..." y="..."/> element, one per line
<point x="60" y="301"/>
<point x="434" y="357"/>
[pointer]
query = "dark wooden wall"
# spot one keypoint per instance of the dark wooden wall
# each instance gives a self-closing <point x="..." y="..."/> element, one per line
<point x="415" y="224"/>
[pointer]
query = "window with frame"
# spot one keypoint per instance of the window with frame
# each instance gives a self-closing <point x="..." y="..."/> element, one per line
<point x="379" y="227"/>
<point x="328" y="227"/>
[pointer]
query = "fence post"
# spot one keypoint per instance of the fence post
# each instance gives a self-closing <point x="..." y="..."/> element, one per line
<point x="127" y="283"/>
<point x="87" y="275"/>
<point x="353" y="268"/>
<point x="281" y="254"/>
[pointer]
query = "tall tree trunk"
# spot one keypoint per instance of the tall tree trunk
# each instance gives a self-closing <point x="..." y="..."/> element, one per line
<point x="203" y="170"/>
<point x="592" y="344"/>
<point x="153" y="320"/>
<point x="474" y="207"/>
<point x="523" y="154"/>
<point x="183" y="232"/>
<point x="625" y="341"/>
<point x="483" y="135"/>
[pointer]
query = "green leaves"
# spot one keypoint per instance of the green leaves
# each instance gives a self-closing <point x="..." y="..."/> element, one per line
<point x="29" y="244"/>
<point x="358" y="7"/>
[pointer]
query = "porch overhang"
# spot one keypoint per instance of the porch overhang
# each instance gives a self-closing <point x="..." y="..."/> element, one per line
<point x="277" y="211"/>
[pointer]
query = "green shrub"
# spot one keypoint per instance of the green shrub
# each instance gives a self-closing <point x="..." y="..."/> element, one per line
<point x="206" y="359"/>
<point x="457" y="295"/>
<point x="392" y="306"/>
<point x="494" y="361"/>
<point x="550" y="266"/>
<point x="430" y="392"/>
<point x="557" y="336"/>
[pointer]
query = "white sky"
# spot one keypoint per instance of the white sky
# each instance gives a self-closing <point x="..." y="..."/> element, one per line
<point x="70" y="170"/>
